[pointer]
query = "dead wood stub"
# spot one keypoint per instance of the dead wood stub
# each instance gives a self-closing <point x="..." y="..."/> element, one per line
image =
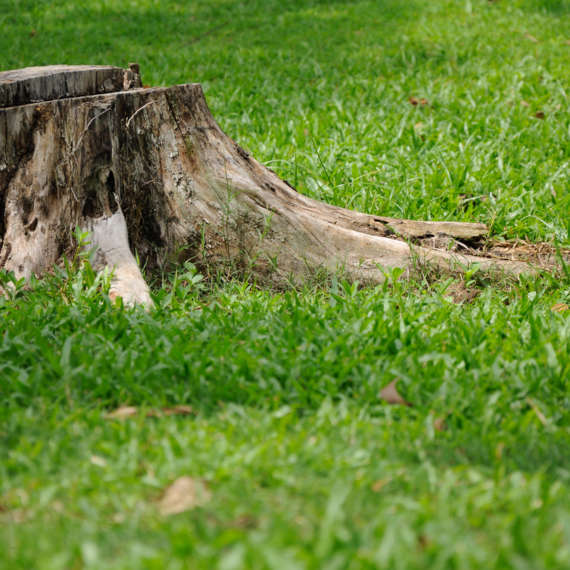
<point x="149" y="170"/>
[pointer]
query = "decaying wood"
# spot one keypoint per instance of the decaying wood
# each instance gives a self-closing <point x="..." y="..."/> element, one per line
<point x="87" y="147"/>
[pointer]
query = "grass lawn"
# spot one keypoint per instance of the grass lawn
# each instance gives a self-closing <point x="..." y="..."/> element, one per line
<point x="439" y="109"/>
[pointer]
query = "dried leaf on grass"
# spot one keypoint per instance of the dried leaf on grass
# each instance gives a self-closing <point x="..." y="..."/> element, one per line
<point x="180" y="410"/>
<point x="439" y="424"/>
<point x="415" y="101"/>
<point x="423" y="541"/>
<point x="390" y="395"/>
<point x="124" y="412"/>
<point x="540" y="115"/>
<point x="559" y="307"/>
<point x="184" y="494"/>
<point x="98" y="461"/>
<point x="377" y="486"/>
<point x="244" y="521"/>
<point x="531" y="38"/>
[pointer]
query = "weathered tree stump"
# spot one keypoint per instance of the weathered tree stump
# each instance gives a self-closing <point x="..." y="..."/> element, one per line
<point x="87" y="147"/>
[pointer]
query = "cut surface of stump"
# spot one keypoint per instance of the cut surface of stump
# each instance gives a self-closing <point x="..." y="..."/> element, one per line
<point x="149" y="170"/>
<point x="36" y="84"/>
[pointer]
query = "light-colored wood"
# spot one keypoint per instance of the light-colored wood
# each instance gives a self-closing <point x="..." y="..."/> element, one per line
<point x="154" y="164"/>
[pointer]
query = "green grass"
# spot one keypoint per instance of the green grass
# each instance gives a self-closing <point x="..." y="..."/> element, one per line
<point x="306" y="465"/>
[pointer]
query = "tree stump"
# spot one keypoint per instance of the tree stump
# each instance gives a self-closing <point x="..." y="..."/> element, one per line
<point x="87" y="147"/>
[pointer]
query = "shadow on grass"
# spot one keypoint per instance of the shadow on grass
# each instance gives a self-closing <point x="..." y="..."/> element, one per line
<point x="171" y="40"/>
<point x="552" y="7"/>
